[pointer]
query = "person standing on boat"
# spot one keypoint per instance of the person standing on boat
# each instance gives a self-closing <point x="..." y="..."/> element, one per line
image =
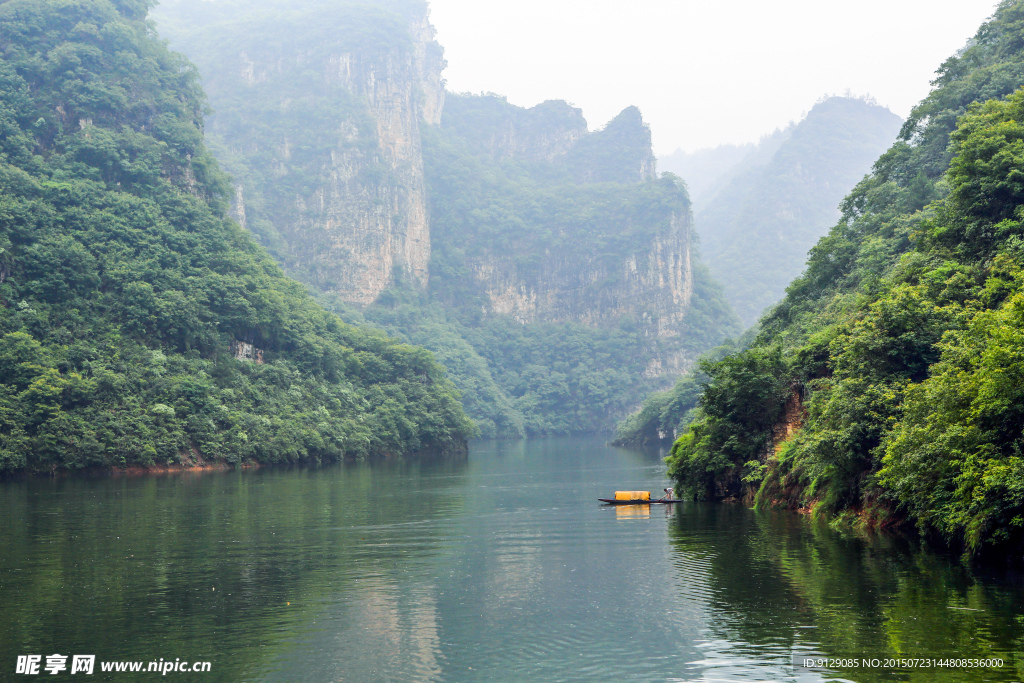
<point x="669" y="494"/>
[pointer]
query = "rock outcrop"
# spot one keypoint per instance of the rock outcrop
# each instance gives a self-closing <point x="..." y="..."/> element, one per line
<point x="618" y="153"/>
<point x="542" y="221"/>
<point x="655" y="285"/>
<point x="554" y="133"/>
<point x="492" y="126"/>
<point x="321" y="121"/>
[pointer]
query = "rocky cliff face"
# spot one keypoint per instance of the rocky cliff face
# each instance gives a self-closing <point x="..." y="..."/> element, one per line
<point x="321" y="120"/>
<point x="655" y="285"/>
<point x="652" y="287"/>
<point x="367" y="230"/>
<point x="537" y="219"/>
<point x="492" y="126"/>
<point x="362" y="176"/>
<point x="580" y="230"/>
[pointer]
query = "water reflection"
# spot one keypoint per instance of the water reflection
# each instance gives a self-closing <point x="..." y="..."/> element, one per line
<point x="632" y="511"/>
<point x="211" y="566"/>
<point x="499" y="567"/>
<point x="536" y="581"/>
<point x="781" y="586"/>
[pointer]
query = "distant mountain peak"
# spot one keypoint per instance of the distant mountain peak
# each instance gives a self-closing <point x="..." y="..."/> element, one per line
<point x="758" y="217"/>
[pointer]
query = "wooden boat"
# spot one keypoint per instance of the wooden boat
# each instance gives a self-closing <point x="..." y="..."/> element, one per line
<point x="612" y="501"/>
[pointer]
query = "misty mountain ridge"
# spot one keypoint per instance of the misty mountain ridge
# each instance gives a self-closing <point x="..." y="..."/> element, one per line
<point x="552" y="139"/>
<point x="757" y="218"/>
<point x="706" y="171"/>
<point x="545" y="264"/>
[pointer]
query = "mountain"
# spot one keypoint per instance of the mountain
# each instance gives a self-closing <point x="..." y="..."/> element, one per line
<point x="762" y="208"/>
<point x="583" y="235"/>
<point x="568" y="263"/>
<point x="317" y="115"/>
<point x="886" y="386"/>
<point x="779" y="200"/>
<point x="708" y="171"/>
<point x="140" y="325"/>
<point x="704" y="169"/>
<point x="545" y="263"/>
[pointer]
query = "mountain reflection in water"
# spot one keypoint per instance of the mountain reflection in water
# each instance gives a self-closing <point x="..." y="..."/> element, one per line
<point x="499" y="567"/>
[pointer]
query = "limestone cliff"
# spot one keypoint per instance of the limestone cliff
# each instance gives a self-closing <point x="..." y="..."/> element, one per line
<point x="490" y="125"/>
<point x="538" y="219"/>
<point x="652" y="287"/>
<point x="318" y="119"/>
<point x="370" y="229"/>
<point x="655" y="283"/>
<point x="505" y="239"/>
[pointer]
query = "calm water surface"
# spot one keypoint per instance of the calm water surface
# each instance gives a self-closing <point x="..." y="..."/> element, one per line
<point x="502" y="567"/>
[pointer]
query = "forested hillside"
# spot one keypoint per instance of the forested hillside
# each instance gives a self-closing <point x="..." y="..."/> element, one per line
<point x="888" y="381"/>
<point x="529" y="304"/>
<point x="757" y="228"/>
<point x="759" y="216"/>
<point x="546" y="264"/>
<point x="706" y="171"/>
<point x="141" y="326"/>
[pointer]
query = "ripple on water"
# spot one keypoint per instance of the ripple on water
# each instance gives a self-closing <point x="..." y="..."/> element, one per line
<point x="499" y="568"/>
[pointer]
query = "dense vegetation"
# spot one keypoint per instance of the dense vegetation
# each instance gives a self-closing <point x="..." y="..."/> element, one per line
<point x="557" y="377"/>
<point x="502" y="182"/>
<point x="277" y="130"/>
<point x="664" y="415"/>
<point x="542" y="378"/>
<point x="894" y="362"/>
<point x="757" y="228"/>
<point x="123" y="287"/>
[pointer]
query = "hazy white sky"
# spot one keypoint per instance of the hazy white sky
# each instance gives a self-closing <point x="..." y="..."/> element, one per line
<point x="703" y="72"/>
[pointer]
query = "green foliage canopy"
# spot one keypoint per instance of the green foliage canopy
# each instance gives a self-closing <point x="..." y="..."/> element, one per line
<point x="123" y="285"/>
<point x="903" y="335"/>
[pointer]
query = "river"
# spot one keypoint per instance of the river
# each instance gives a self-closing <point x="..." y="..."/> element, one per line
<point x="499" y="567"/>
